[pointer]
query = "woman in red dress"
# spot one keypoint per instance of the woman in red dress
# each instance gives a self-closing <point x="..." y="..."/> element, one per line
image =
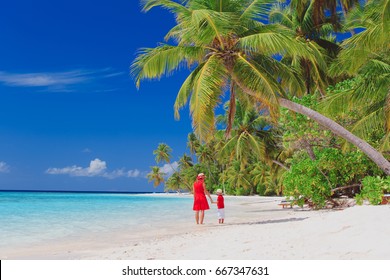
<point x="200" y="201"/>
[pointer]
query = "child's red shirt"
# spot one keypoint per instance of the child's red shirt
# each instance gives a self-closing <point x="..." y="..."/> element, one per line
<point x="220" y="202"/>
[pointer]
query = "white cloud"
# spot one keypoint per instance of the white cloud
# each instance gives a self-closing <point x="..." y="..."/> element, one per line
<point x="4" y="167"/>
<point x="133" y="173"/>
<point x="55" y="81"/>
<point x="169" y="168"/>
<point x="96" y="168"/>
<point x="114" y="74"/>
<point x="44" y="79"/>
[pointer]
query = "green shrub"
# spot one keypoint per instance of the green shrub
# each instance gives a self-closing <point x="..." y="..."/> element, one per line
<point x="373" y="189"/>
<point x="306" y="184"/>
<point x="261" y="189"/>
<point x="311" y="181"/>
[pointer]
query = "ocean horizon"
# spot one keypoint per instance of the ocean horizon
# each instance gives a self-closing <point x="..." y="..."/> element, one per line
<point x="74" y="191"/>
<point x="30" y="218"/>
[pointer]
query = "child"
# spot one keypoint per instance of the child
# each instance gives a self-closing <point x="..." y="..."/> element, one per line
<point x="221" y="206"/>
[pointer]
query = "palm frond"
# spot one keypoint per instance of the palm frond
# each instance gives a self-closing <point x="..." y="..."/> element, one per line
<point x="271" y="39"/>
<point x="385" y="146"/>
<point x="374" y="84"/>
<point x="386" y="17"/>
<point x="387" y="113"/>
<point x="257" y="10"/>
<point x="186" y="90"/>
<point x="155" y="62"/>
<point x="307" y="20"/>
<point x="282" y="15"/>
<point x="227" y="150"/>
<point x="286" y="74"/>
<point x="170" y="5"/>
<point x="206" y="88"/>
<point x="337" y="103"/>
<point x="376" y="66"/>
<point x="346" y="62"/>
<point x="255" y="80"/>
<point x="371" y="121"/>
<point x="299" y="6"/>
<point x="209" y="25"/>
<point x="176" y="33"/>
<point x="256" y="145"/>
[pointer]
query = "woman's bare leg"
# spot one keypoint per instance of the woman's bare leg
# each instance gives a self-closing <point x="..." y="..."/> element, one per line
<point x="197" y="217"/>
<point x="201" y="216"/>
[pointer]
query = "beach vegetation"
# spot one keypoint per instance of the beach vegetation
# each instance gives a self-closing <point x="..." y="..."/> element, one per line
<point x="156" y="176"/>
<point x="373" y="189"/>
<point x="302" y="116"/>
<point x="366" y="57"/>
<point x="314" y="182"/>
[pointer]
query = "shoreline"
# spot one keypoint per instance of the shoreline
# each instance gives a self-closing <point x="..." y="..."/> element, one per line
<point x="255" y="228"/>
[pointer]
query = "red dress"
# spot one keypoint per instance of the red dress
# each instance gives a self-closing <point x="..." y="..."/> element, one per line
<point x="200" y="201"/>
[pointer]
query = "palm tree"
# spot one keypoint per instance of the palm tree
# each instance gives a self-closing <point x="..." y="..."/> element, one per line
<point x="258" y="173"/>
<point x="226" y="47"/>
<point x="268" y="176"/>
<point x="298" y="17"/>
<point x="156" y="176"/>
<point x="193" y="143"/>
<point x="163" y="153"/>
<point x="371" y="90"/>
<point x="185" y="162"/>
<point x="176" y="182"/>
<point x="245" y="142"/>
<point x="323" y="7"/>
<point x="206" y="155"/>
<point x="237" y="178"/>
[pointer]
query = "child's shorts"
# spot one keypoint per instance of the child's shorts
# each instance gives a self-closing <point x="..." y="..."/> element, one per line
<point x="221" y="213"/>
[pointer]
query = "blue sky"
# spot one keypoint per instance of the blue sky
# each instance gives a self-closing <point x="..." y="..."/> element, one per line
<point x="71" y="117"/>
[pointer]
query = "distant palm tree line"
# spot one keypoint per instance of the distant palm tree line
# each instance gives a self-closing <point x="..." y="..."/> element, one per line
<point x="265" y="56"/>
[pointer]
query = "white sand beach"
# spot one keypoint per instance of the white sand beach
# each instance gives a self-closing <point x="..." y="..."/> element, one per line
<point x="255" y="228"/>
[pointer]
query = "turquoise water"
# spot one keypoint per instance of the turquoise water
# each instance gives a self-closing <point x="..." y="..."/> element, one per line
<point x="34" y="217"/>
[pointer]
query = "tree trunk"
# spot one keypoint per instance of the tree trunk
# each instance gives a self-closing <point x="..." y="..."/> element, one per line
<point x="309" y="149"/>
<point x="337" y="129"/>
<point x="232" y="110"/>
<point x="280" y="164"/>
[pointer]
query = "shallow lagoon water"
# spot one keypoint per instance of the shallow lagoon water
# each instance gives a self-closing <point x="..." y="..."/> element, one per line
<point x="28" y="218"/>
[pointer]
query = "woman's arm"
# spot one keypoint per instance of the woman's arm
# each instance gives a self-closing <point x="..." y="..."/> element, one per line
<point x="207" y="192"/>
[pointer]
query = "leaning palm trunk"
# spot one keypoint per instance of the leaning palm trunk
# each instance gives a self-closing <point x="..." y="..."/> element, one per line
<point x="226" y="43"/>
<point x="337" y="129"/>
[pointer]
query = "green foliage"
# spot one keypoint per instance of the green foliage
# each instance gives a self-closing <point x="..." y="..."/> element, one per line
<point x="228" y="51"/>
<point x="261" y="189"/>
<point x="300" y="130"/>
<point x="373" y="189"/>
<point x="224" y="43"/>
<point x="355" y="105"/>
<point x="318" y="164"/>
<point x="305" y="183"/>
<point x="311" y="181"/>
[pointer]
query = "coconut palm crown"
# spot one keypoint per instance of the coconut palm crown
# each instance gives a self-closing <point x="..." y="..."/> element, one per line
<point x="227" y="48"/>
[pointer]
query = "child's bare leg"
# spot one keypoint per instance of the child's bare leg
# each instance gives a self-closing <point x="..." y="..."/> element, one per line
<point x="222" y="220"/>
